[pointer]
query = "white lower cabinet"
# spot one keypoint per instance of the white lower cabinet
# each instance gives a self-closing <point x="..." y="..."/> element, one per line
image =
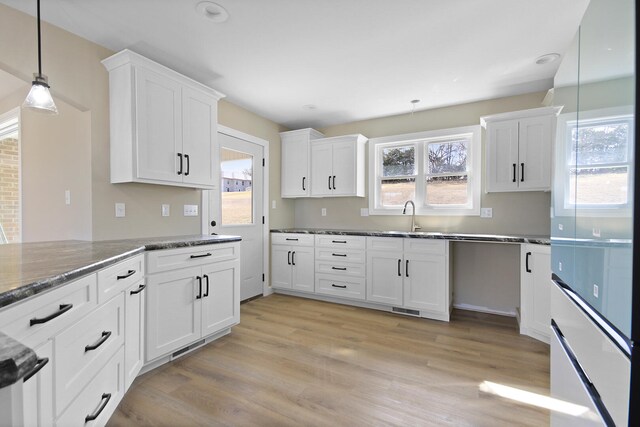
<point x="384" y="277"/>
<point x="187" y="304"/>
<point x="292" y="262"/>
<point x="535" y="291"/>
<point x="37" y="389"/>
<point x="134" y="312"/>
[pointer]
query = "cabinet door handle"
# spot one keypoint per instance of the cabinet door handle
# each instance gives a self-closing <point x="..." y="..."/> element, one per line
<point x="521" y="172"/>
<point x="526" y="263"/>
<point x="289" y="258"/>
<point x="124" y="276"/>
<point x="399" y="273"/>
<point x="137" y="291"/>
<point x="63" y="309"/>
<point x="180" y="170"/>
<point x="105" y="336"/>
<point x="206" y="293"/>
<point x="303" y="179"/>
<point x="514" y="172"/>
<point x="104" y="400"/>
<point x="339" y="268"/>
<point x="342" y="255"/>
<point x="334" y="182"/>
<point x="199" y="279"/>
<point x="339" y="286"/>
<point x="186" y="156"/>
<point x="329" y="182"/>
<point x="406" y="268"/>
<point x="293" y="258"/>
<point x="201" y="256"/>
<point x="40" y="363"/>
<point x="338" y="241"/>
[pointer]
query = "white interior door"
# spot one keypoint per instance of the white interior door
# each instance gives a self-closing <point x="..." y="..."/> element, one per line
<point x="238" y="208"/>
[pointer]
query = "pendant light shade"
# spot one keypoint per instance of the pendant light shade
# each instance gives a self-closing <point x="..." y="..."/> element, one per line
<point x="39" y="98"/>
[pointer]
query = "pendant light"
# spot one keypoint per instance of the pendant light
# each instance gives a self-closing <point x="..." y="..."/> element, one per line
<point x="39" y="98"/>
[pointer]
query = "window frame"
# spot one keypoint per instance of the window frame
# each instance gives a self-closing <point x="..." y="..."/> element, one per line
<point x="420" y="141"/>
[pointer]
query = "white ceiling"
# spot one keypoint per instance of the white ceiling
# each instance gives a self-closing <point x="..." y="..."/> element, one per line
<point x="351" y="59"/>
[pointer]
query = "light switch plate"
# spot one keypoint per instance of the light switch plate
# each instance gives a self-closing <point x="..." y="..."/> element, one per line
<point x="120" y="210"/>
<point x="67" y="197"/>
<point x="364" y="211"/>
<point x="190" y="210"/>
<point x="486" y="213"/>
<point x="166" y="210"/>
<point x="324" y="211"/>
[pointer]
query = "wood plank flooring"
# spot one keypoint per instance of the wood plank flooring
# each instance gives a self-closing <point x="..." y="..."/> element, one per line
<point x="300" y="362"/>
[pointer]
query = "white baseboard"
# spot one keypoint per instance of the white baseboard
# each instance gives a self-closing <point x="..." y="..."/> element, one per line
<point x="487" y="310"/>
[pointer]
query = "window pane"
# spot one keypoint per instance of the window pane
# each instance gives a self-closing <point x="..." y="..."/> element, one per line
<point x="600" y="144"/>
<point x="398" y="161"/>
<point x="447" y="190"/>
<point x="236" y="187"/>
<point x="599" y="186"/>
<point x="394" y="192"/>
<point x="447" y="157"/>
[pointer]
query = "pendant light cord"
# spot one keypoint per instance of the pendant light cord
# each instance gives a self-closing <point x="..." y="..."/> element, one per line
<point x="39" y="48"/>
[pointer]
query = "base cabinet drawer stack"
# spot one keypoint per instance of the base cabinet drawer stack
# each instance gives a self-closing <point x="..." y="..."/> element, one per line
<point x="340" y="266"/>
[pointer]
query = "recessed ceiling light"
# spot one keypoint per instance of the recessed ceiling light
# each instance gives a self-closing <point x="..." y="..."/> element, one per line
<point x="546" y="59"/>
<point x="212" y="11"/>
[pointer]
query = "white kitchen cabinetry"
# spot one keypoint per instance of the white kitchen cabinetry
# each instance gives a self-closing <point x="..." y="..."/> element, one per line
<point x="296" y="162"/>
<point x="38" y="389"/>
<point x="292" y="261"/>
<point x="518" y="150"/>
<point x="340" y="266"/>
<point x="192" y="293"/>
<point x="163" y="124"/>
<point x="409" y="274"/>
<point x="535" y="296"/>
<point x="337" y="166"/>
<point x="134" y="313"/>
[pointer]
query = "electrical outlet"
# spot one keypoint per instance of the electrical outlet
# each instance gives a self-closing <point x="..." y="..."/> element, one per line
<point x="595" y="290"/>
<point x="120" y="210"/>
<point x="596" y="232"/>
<point x="324" y="212"/>
<point x="166" y="210"/>
<point x="560" y="266"/>
<point x="67" y="197"/>
<point x="273" y="204"/>
<point x="190" y="210"/>
<point x="560" y="227"/>
<point x="486" y="213"/>
<point x="364" y="211"/>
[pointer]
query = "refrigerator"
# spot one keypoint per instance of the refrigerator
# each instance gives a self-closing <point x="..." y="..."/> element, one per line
<point x="595" y="307"/>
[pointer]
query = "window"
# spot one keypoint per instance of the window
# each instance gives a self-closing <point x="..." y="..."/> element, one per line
<point x="438" y="170"/>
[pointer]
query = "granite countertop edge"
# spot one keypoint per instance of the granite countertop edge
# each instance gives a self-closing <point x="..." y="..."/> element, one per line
<point x="16" y="360"/>
<point x="538" y="240"/>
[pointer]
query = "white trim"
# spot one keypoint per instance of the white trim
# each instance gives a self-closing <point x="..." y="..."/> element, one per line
<point x="9" y="115"/>
<point x="266" y="288"/>
<point x="419" y="138"/>
<point x="533" y="112"/>
<point x="479" y="309"/>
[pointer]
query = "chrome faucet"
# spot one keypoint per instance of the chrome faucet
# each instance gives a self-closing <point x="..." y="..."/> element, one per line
<point x="414" y="227"/>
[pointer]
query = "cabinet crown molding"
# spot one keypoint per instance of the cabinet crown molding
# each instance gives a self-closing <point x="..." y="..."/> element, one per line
<point x="533" y="112"/>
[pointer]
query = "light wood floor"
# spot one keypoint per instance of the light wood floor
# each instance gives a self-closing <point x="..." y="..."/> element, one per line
<point x="295" y="362"/>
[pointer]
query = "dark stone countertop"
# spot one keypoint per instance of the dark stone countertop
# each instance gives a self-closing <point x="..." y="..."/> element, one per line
<point x="539" y="240"/>
<point x="16" y="360"/>
<point x="27" y="269"/>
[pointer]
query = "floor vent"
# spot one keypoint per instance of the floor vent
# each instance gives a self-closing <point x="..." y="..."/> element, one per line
<point x="406" y="311"/>
<point x="186" y="349"/>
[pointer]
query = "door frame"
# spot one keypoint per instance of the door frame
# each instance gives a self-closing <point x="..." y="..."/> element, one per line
<point x="266" y="288"/>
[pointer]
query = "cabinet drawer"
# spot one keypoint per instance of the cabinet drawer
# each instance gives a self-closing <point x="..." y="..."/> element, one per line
<point x="292" y="239"/>
<point x="104" y="391"/>
<point x="81" y="350"/>
<point x="384" y="244"/>
<point x="114" y="279"/>
<point x="340" y="242"/>
<point x="18" y="321"/>
<point x="340" y="255"/>
<point x="353" y="287"/>
<point x="173" y="259"/>
<point x="340" y="269"/>
<point x="430" y="246"/>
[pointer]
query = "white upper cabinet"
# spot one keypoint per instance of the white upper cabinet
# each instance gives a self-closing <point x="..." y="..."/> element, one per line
<point x="337" y="166"/>
<point x="518" y="150"/>
<point x="296" y="155"/>
<point x="163" y="124"/>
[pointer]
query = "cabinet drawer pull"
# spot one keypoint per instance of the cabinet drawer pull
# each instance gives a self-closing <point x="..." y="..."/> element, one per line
<point x="104" y="400"/>
<point x="40" y="363"/>
<point x="526" y="263"/>
<point x="521" y="172"/>
<point x="339" y="286"/>
<point x="105" y="336"/>
<point x="137" y="291"/>
<point x="180" y="170"/>
<point x="338" y="241"/>
<point x="199" y="279"/>
<point x="291" y="239"/>
<point x="206" y="293"/>
<point x="63" y="309"/>
<point x="343" y="255"/>
<point x="201" y="256"/>
<point x="339" y="268"/>
<point x="124" y="276"/>
<point x="186" y="156"/>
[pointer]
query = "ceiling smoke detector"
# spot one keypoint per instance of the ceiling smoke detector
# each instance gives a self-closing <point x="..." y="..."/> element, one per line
<point x="546" y="59"/>
<point x="212" y="11"/>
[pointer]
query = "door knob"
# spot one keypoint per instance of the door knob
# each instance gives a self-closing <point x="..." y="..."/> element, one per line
<point x="213" y="223"/>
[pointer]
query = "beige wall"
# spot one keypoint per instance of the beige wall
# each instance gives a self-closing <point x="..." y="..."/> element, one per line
<point x="513" y="213"/>
<point x="56" y="156"/>
<point x="77" y="77"/>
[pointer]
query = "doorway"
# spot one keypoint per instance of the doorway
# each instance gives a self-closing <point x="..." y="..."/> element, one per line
<point x="238" y="206"/>
<point x="10" y="178"/>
